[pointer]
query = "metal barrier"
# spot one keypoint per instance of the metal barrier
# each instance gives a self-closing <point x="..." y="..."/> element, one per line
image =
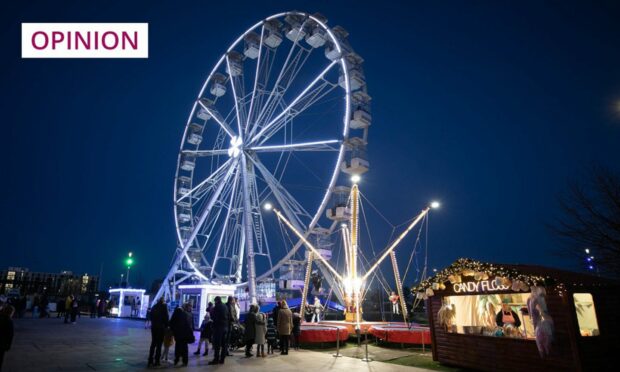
<point x="337" y="355"/>
<point x="366" y="359"/>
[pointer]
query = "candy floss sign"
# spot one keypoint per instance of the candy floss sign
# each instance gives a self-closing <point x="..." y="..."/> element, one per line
<point x="481" y="286"/>
<point x="85" y="40"/>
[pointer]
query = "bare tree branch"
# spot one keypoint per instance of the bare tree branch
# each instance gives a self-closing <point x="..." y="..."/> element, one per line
<point x="590" y="218"/>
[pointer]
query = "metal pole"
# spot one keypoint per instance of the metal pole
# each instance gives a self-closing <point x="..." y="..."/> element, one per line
<point x="127" y="278"/>
<point x="366" y="359"/>
<point x="337" y="355"/>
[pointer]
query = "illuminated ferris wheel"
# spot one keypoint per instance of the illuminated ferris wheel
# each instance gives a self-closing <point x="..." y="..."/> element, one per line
<point x="281" y="116"/>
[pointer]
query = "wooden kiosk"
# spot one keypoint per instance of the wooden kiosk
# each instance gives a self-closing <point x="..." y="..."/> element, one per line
<point x="466" y="301"/>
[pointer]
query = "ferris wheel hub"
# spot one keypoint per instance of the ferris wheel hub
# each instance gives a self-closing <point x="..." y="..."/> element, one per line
<point x="235" y="147"/>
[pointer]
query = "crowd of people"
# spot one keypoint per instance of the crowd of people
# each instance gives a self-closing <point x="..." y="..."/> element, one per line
<point x="221" y="329"/>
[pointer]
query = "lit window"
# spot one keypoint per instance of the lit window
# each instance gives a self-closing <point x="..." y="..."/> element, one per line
<point x="497" y="315"/>
<point x="586" y="315"/>
<point x="10" y="275"/>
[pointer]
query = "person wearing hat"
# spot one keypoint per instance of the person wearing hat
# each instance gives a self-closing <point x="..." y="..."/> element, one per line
<point x="507" y="316"/>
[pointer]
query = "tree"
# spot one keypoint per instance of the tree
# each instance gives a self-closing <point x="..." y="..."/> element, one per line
<point x="591" y="220"/>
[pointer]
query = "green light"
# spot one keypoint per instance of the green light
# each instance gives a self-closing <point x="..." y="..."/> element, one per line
<point x="129" y="261"/>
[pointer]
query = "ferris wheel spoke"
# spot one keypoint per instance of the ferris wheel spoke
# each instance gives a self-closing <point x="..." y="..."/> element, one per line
<point x="218" y="119"/>
<point x="306" y="146"/>
<point x="256" y="77"/>
<point x="309" y="89"/>
<point x="211" y="180"/>
<point x="276" y="87"/>
<point x="284" y="198"/>
<point x="203" y="217"/>
<point x="235" y="97"/>
<point x="225" y="223"/>
<point x="202" y="153"/>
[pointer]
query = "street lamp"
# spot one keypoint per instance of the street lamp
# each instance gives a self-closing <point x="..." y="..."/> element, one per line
<point x="129" y="262"/>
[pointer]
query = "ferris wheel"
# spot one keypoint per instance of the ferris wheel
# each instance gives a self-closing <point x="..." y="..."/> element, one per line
<point x="282" y="115"/>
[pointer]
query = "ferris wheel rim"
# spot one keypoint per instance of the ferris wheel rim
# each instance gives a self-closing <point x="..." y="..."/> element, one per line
<point x="341" y="150"/>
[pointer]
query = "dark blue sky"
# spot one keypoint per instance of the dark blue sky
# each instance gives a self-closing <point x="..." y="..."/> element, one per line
<point x="489" y="106"/>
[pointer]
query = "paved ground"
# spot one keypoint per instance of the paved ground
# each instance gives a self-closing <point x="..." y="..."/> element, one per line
<point x="122" y="345"/>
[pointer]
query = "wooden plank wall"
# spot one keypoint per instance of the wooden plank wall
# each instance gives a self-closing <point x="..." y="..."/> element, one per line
<point x="506" y="354"/>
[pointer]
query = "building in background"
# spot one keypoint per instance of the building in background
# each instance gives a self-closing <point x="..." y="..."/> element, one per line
<point x="22" y="281"/>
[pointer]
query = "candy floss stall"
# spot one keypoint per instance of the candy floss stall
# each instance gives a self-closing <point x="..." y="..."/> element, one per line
<point x="516" y="317"/>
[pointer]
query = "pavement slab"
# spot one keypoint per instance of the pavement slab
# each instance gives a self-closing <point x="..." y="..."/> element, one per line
<point x="110" y="344"/>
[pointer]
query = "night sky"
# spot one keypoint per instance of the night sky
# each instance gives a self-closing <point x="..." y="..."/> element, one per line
<point x="490" y="107"/>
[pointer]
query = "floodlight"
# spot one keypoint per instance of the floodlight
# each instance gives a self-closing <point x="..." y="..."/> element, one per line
<point x="435" y="204"/>
<point x="355" y="178"/>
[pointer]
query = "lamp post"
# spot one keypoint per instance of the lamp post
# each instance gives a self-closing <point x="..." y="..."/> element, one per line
<point x="129" y="262"/>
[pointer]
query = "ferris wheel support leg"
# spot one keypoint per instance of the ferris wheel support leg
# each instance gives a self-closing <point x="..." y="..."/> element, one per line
<point x="399" y="287"/>
<point x="203" y="217"/>
<point x="249" y="234"/>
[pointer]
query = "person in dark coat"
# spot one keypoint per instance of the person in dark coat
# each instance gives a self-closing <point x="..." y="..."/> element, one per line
<point x="250" y="330"/>
<point x="6" y="330"/>
<point x="159" y="323"/>
<point x="296" y="330"/>
<point x="183" y="334"/>
<point x="284" y="326"/>
<point x="75" y="309"/>
<point x="221" y="321"/>
<point x="275" y="312"/>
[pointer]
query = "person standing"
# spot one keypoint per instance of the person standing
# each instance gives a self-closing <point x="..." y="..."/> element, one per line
<point x="75" y="308"/>
<point x="205" y="334"/>
<point x="285" y="326"/>
<point x="271" y="336"/>
<point x="221" y="321"/>
<point x="68" y="302"/>
<point x="260" y="333"/>
<point x="183" y="335"/>
<point x="318" y="309"/>
<point x="210" y="310"/>
<point x="296" y="330"/>
<point x="233" y="321"/>
<point x="159" y="323"/>
<point x="394" y="299"/>
<point x="250" y="329"/>
<point x="6" y="330"/>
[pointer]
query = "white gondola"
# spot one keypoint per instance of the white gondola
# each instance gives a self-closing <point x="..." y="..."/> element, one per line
<point x="202" y="113"/>
<point x="272" y="36"/>
<point x="183" y="185"/>
<point x="320" y="238"/>
<point x="194" y="136"/>
<point x="251" y="45"/>
<point x="294" y="28"/>
<point x="185" y="215"/>
<point x="235" y="62"/>
<point x="338" y="209"/>
<point x="356" y="79"/>
<point x="188" y="162"/>
<point x="361" y="119"/>
<point x="218" y="84"/>
<point x="356" y="73"/>
<point x="356" y="161"/>
<point x="316" y="37"/>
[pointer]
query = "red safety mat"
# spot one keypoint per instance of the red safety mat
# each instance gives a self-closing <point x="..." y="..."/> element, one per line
<point x="401" y="334"/>
<point x="310" y="333"/>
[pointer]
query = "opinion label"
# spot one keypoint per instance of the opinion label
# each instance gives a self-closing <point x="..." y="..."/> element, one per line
<point x="85" y="40"/>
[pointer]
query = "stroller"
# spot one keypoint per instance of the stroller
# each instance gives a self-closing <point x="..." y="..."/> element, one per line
<point x="236" y="337"/>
